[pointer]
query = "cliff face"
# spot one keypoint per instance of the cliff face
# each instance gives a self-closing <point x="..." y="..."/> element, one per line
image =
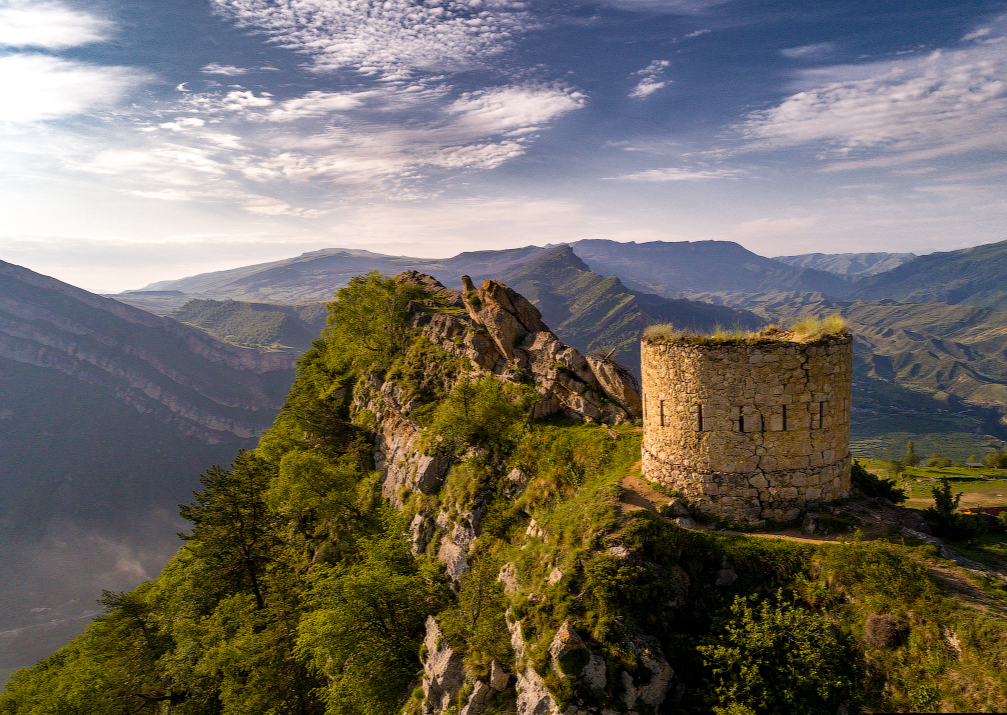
<point x="198" y="385"/>
<point x="108" y="415"/>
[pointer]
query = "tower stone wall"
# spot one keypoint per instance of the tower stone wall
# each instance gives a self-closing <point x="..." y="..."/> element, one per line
<point x="748" y="431"/>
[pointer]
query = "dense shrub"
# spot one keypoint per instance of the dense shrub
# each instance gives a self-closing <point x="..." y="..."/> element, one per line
<point x="774" y="657"/>
<point x="874" y="486"/>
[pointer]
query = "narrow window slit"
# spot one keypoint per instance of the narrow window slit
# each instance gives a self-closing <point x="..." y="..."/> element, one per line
<point x="699" y="418"/>
<point x="662" y="412"/>
<point x="784" y="421"/>
<point x="741" y="419"/>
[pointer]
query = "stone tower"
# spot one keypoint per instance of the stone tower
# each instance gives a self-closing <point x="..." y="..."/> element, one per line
<point x="756" y="428"/>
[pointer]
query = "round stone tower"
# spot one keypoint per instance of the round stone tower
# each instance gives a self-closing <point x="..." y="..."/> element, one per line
<point x="756" y="428"/>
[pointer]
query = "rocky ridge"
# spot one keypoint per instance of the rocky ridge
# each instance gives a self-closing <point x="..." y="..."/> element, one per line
<point x="496" y="332"/>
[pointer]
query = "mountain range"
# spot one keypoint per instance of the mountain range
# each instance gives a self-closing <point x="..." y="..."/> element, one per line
<point x="850" y="265"/>
<point x="110" y="413"/>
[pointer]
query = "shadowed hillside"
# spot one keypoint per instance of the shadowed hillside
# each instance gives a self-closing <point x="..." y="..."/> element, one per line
<point x="108" y="414"/>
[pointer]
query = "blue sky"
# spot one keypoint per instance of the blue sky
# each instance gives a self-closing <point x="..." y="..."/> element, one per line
<point x="148" y="140"/>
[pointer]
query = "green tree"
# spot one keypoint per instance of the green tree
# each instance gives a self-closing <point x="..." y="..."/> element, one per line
<point x="365" y="624"/>
<point x="234" y="530"/>
<point x="995" y="460"/>
<point x="370" y="318"/>
<point x="774" y="657"/>
<point x="911" y="459"/>
<point x="938" y="460"/>
<point x="485" y="413"/>
<point x="944" y="518"/>
<point x="476" y="624"/>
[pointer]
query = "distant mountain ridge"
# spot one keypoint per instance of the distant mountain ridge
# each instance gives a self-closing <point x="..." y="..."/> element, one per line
<point x="595" y="313"/>
<point x="852" y="265"/>
<point x="969" y="276"/>
<point x="673" y="269"/>
<point x="663" y="268"/>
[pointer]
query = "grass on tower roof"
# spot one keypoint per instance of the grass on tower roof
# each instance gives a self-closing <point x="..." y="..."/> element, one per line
<point x="805" y="330"/>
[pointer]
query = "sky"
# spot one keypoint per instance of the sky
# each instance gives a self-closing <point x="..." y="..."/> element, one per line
<point x="145" y="140"/>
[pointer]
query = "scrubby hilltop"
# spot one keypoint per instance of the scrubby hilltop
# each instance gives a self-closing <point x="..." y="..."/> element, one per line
<point x="447" y="517"/>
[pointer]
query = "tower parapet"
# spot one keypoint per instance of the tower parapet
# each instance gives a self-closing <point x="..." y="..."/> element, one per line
<point x="752" y="428"/>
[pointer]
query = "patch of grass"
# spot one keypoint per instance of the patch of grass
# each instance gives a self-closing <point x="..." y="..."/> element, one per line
<point x="804" y="331"/>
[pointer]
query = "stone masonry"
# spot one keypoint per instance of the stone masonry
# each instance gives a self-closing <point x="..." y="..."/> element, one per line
<point x="748" y="430"/>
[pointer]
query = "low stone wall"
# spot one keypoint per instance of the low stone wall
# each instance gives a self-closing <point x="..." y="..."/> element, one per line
<point x="749" y="431"/>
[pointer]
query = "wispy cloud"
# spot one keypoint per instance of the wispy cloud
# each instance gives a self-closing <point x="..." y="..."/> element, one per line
<point x="226" y="70"/>
<point x="652" y="79"/>
<point x="389" y="38"/>
<point x="674" y="174"/>
<point x="809" y="52"/>
<point x="49" y="25"/>
<point x="917" y="108"/>
<point x="35" y="87"/>
<point x="374" y="142"/>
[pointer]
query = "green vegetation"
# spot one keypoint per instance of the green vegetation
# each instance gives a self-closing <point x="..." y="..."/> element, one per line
<point x="297" y="590"/>
<point x="874" y="486"/>
<point x="267" y="326"/>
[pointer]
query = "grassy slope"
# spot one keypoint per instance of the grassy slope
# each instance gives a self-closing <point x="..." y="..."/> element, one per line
<point x="266" y="326"/>
<point x="852" y="265"/>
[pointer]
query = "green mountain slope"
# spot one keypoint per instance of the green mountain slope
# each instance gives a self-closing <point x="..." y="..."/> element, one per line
<point x="970" y="276"/>
<point x="851" y="265"/>
<point x="107" y="416"/>
<point x="267" y="326"/>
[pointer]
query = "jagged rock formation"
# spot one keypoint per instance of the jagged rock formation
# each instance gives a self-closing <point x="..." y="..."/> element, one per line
<point x="500" y="334"/>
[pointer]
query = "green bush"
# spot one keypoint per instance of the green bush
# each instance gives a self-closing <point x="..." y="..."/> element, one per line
<point x="874" y="486"/>
<point x="774" y="657"/>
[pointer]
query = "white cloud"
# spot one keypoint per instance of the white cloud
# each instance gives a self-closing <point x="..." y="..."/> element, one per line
<point x="182" y="123"/>
<point x="226" y="70"/>
<point x="651" y="81"/>
<point x="389" y="38"/>
<point x="674" y="174"/>
<point x="947" y="103"/>
<point x="48" y="25"/>
<point x="809" y="52"/>
<point x="316" y="104"/>
<point x="515" y="109"/>
<point x="37" y="87"/>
